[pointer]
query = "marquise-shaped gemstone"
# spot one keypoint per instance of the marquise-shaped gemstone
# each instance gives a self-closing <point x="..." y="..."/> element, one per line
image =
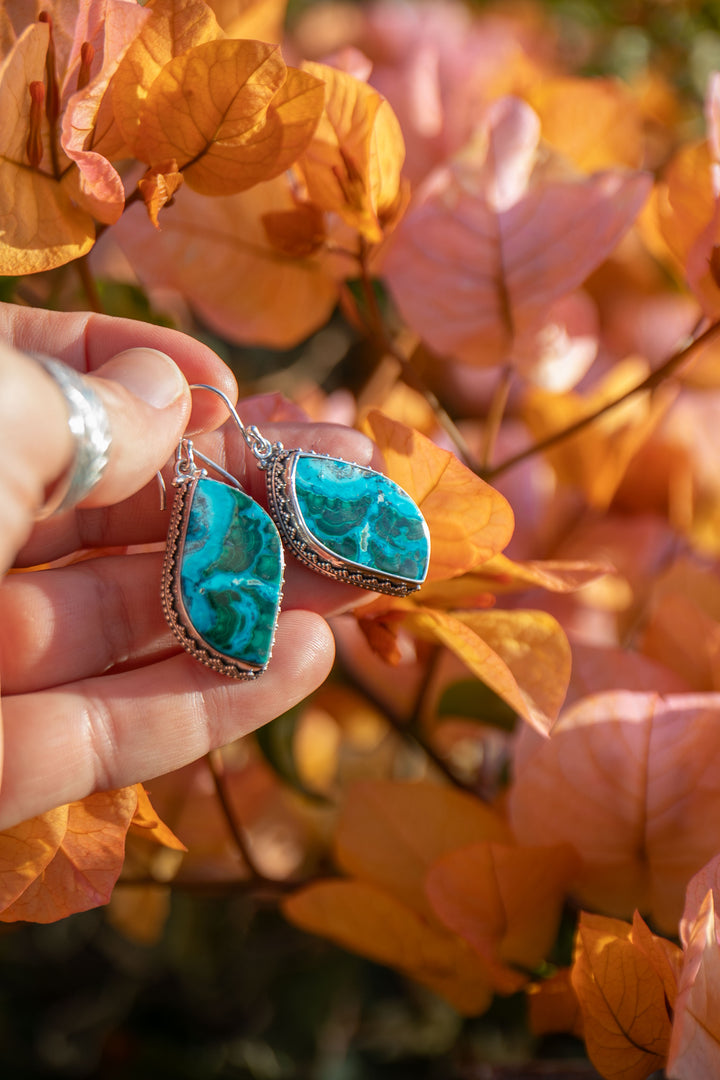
<point x="356" y="515"/>
<point x="230" y="573"/>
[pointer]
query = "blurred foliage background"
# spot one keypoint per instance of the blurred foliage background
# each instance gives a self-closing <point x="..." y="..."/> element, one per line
<point x="232" y="990"/>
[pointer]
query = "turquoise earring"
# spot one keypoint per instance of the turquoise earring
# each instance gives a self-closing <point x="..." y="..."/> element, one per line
<point x="343" y="520"/>
<point x="223" y="570"/>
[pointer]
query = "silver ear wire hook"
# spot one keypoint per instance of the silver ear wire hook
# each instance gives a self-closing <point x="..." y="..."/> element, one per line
<point x="259" y="446"/>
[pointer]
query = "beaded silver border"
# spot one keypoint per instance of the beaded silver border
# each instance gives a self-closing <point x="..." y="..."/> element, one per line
<point x="172" y="602"/>
<point x="279" y="470"/>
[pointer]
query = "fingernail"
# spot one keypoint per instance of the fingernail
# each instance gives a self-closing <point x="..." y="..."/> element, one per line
<point x="148" y="374"/>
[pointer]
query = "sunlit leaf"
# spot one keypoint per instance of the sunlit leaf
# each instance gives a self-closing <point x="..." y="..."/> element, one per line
<point x="625" y="1019"/>
<point x="85" y="864"/>
<point x="468" y="520"/>
<point x="174" y="27"/>
<point x="40" y="227"/>
<point x="352" y="166"/>
<point x="632" y="781"/>
<point x="695" y="1045"/>
<point x="378" y="838"/>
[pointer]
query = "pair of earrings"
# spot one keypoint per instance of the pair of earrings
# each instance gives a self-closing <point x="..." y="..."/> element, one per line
<point x="224" y="562"/>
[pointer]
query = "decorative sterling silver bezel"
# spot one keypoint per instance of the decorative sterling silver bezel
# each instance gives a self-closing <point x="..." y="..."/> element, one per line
<point x="280" y="472"/>
<point x="174" y="606"/>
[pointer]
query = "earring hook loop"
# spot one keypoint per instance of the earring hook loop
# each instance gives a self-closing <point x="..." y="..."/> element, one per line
<point x="259" y="446"/>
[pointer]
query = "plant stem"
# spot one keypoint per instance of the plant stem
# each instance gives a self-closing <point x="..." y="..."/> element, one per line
<point x="494" y="418"/>
<point x="406" y="728"/>
<point x="89" y="287"/>
<point x="217" y="771"/>
<point x="650" y="382"/>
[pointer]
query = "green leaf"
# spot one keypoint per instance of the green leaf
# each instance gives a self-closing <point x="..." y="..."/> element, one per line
<point x="473" y="700"/>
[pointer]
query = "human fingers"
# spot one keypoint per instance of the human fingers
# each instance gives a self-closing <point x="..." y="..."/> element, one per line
<point x="139" y="520"/>
<point x="104" y="733"/>
<point x="86" y="341"/>
<point x="99" y="615"/>
<point x="147" y="402"/>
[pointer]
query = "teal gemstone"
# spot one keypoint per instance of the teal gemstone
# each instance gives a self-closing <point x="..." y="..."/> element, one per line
<point x="231" y="572"/>
<point x="361" y="517"/>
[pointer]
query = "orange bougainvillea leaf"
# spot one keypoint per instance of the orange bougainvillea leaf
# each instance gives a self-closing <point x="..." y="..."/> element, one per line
<point x="390" y="833"/>
<point x="158" y="187"/>
<point x="209" y="109"/>
<point x="553" y="1006"/>
<point x="104" y="31"/>
<point x="26" y="850"/>
<point x="259" y="20"/>
<point x="361" y="917"/>
<point x="506" y="901"/>
<point x="40" y="226"/>
<point x="626" y="1025"/>
<point x="174" y="27"/>
<point x="594" y="122"/>
<point x="483" y="254"/>
<point x="352" y="166"/>
<point x="632" y="781"/>
<point x="85" y="863"/>
<point x="468" y="520"/>
<point x="508" y="651"/>
<point x="147" y="824"/>
<point x="695" y="1044"/>
<point x="298" y="232"/>
<point x="216" y="253"/>
<point x="596" y="459"/>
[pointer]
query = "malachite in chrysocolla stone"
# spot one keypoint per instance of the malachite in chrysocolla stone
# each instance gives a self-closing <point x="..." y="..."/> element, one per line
<point x="231" y="572"/>
<point x="361" y="516"/>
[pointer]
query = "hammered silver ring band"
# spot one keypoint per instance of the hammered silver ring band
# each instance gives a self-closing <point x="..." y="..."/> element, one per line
<point x="90" y="428"/>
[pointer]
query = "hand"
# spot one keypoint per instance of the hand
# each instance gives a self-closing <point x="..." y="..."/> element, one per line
<point x="96" y="691"/>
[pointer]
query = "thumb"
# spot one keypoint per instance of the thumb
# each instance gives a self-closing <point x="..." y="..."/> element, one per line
<point x="147" y="401"/>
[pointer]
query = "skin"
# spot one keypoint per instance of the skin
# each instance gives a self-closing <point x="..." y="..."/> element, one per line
<point x="96" y="691"/>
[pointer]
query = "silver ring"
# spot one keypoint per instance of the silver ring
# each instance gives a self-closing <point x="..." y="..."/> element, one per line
<point x="90" y="428"/>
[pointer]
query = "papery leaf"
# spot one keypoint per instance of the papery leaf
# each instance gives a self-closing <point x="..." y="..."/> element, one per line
<point x="26" y="850"/>
<point x="40" y="227"/>
<point x="216" y="254"/>
<point x="665" y="957"/>
<point x="480" y="258"/>
<point x="594" y="122"/>
<point x="625" y="1019"/>
<point x="174" y="27"/>
<point x="298" y="232"/>
<point x="632" y="781"/>
<point x="468" y="520"/>
<point x="706" y="880"/>
<point x="362" y="918"/>
<point x="108" y="27"/>
<point x="695" y="1043"/>
<point x="259" y="20"/>
<point x="509" y="665"/>
<point x="505" y="901"/>
<point x="352" y="166"/>
<point x="553" y="1006"/>
<point x="158" y="187"/>
<point x="86" y="863"/>
<point x="378" y="837"/>
<point x="147" y="824"/>
<point x="209" y="109"/>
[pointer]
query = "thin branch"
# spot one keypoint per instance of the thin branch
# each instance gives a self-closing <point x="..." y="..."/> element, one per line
<point x="496" y="412"/>
<point x="404" y="726"/>
<point x="88" y="283"/>
<point x="217" y="771"/>
<point x="651" y="382"/>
